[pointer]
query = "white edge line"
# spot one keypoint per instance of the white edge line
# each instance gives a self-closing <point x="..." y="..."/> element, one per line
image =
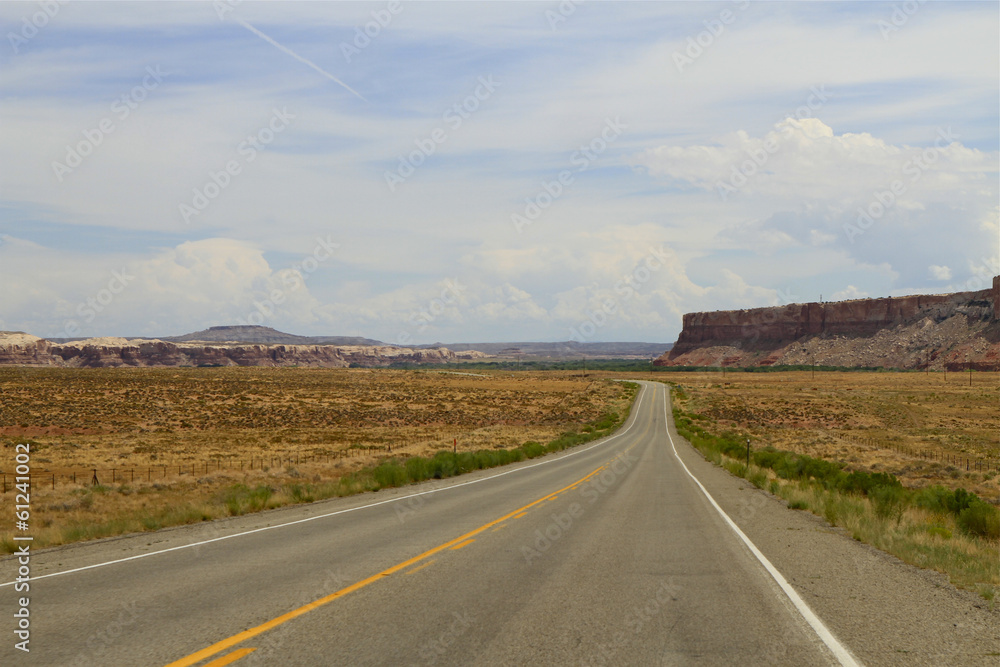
<point x="604" y="441"/>
<point x="839" y="651"/>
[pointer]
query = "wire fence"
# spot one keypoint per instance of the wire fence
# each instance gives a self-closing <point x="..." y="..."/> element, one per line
<point x="94" y="476"/>
<point x="969" y="463"/>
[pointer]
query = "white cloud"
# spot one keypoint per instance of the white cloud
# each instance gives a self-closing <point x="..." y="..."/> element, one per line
<point x="851" y="292"/>
<point x="940" y="272"/>
<point x="805" y="160"/>
<point x="783" y="233"/>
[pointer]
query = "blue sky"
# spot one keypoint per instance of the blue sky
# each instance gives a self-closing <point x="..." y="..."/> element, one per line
<point x="487" y="171"/>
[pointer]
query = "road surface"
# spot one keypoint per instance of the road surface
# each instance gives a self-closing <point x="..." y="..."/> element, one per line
<point x="629" y="551"/>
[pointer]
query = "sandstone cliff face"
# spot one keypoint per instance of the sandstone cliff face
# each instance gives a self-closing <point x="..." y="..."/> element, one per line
<point x="22" y="349"/>
<point x="937" y="331"/>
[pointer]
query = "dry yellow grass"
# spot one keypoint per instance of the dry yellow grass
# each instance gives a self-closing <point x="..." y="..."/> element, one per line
<point x="822" y="416"/>
<point x="863" y="419"/>
<point x="302" y="429"/>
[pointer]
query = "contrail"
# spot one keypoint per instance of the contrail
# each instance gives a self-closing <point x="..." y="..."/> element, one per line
<point x="299" y="58"/>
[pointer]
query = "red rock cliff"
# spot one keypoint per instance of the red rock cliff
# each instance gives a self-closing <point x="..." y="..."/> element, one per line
<point x="925" y="326"/>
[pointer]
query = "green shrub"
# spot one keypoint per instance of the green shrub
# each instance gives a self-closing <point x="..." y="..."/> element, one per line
<point x="241" y="499"/>
<point x="532" y="449"/>
<point x="443" y="465"/>
<point x="933" y="499"/>
<point x="389" y="474"/>
<point x="980" y="519"/>
<point x="961" y="500"/>
<point x="889" y="502"/>
<point x="417" y="468"/>
<point x="944" y="501"/>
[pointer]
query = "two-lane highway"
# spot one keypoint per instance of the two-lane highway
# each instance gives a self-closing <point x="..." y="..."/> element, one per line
<point x="610" y="553"/>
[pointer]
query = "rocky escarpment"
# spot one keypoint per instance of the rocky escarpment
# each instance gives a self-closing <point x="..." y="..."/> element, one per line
<point x="943" y="331"/>
<point x="23" y="349"/>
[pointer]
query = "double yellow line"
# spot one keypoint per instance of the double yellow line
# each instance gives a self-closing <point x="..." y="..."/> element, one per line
<point x="241" y="637"/>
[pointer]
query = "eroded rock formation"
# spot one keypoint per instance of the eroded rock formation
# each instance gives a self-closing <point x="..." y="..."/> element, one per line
<point x="24" y="349"/>
<point x="951" y="331"/>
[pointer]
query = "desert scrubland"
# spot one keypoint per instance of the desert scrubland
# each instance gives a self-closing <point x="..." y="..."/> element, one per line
<point x="920" y="427"/>
<point x="179" y="445"/>
<point x="906" y="462"/>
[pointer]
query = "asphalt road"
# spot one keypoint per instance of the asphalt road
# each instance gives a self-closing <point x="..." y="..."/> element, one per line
<point x="630" y="551"/>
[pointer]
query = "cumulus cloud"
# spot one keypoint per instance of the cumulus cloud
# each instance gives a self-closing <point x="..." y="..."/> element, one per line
<point x="793" y="224"/>
<point x="803" y="185"/>
<point x="176" y="290"/>
<point x="940" y="272"/>
<point x="805" y="160"/>
<point x="851" y="292"/>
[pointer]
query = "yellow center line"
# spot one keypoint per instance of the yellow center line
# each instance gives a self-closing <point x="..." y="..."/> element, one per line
<point x="463" y="544"/>
<point x="520" y="515"/>
<point x="420" y="567"/>
<point x="241" y="637"/>
<point x="231" y="657"/>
